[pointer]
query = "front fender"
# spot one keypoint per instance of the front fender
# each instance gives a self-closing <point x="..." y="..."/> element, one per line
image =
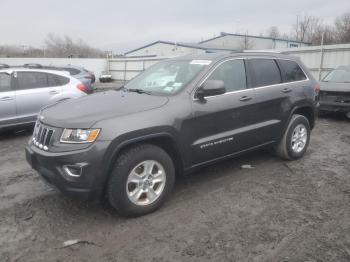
<point x="140" y="136"/>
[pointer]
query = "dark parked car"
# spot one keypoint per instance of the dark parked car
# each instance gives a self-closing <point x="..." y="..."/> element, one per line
<point x="335" y="91"/>
<point x="177" y="116"/>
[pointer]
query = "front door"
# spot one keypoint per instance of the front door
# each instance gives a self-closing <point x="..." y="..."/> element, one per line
<point x="33" y="93"/>
<point x="223" y="124"/>
<point x="7" y="100"/>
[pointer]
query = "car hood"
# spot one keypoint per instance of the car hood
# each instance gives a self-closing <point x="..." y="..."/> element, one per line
<point x="335" y="87"/>
<point x="86" y="111"/>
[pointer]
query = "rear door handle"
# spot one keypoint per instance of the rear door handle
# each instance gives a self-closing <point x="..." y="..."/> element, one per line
<point x="286" y="90"/>
<point x="54" y="92"/>
<point x="245" y="98"/>
<point x="6" y="98"/>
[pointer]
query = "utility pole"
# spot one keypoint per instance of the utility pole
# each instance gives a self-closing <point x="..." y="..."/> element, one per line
<point x="297" y="27"/>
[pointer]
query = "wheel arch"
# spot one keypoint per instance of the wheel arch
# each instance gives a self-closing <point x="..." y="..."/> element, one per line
<point x="163" y="140"/>
<point x="304" y="110"/>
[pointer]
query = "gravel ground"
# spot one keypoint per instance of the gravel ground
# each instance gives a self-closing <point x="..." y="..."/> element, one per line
<point x="277" y="211"/>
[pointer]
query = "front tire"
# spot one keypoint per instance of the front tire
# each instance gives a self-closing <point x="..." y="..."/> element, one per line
<point x="141" y="180"/>
<point x="295" y="139"/>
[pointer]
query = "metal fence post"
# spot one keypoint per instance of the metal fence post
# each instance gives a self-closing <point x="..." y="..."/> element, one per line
<point x="125" y="61"/>
<point x="321" y="59"/>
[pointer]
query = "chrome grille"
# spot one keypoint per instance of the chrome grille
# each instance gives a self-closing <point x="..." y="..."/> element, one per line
<point x="42" y="136"/>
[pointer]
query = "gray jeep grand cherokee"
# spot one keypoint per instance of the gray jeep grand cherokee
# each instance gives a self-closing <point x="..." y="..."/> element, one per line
<point x="177" y="116"/>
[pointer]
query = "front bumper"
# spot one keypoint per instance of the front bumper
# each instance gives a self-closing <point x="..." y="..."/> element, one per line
<point x="87" y="184"/>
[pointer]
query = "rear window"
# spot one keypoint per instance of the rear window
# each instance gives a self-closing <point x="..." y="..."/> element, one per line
<point x="56" y="80"/>
<point x="5" y="82"/>
<point x="265" y="72"/>
<point x="72" y="71"/>
<point x="30" y="80"/>
<point x="291" y="71"/>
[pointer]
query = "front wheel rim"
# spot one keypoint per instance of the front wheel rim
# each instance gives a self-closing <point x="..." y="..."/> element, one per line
<point x="299" y="138"/>
<point x="145" y="183"/>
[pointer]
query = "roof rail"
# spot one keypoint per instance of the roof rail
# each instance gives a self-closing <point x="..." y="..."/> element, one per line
<point x="33" y="65"/>
<point x="263" y="51"/>
<point x="4" y="66"/>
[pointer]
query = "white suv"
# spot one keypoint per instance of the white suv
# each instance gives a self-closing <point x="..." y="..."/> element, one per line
<point x="24" y="91"/>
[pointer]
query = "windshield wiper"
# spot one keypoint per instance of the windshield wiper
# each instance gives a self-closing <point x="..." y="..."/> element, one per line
<point x="139" y="91"/>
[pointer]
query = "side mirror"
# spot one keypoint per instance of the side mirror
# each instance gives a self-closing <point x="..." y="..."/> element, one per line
<point x="211" y="88"/>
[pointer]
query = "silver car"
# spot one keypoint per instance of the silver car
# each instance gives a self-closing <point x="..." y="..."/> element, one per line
<point x="23" y="92"/>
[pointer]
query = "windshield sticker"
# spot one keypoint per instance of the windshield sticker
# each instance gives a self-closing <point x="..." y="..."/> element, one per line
<point x="200" y="62"/>
<point x="169" y="89"/>
<point x="178" y="84"/>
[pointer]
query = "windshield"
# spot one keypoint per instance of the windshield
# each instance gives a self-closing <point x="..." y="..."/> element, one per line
<point x="168" y="77"/>
<point x="338" y="76"/>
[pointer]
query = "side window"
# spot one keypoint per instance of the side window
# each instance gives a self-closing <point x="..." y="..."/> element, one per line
<point x="5" y="82"/>
<point x="30" y="80"/>
<point x="291" y="71"/>
<point x="265" y="71"/>
<point x="56" y="80"/>
<point x="232" y="73"/>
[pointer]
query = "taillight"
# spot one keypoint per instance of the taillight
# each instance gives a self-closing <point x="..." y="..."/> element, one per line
<point x="82" y="87"/>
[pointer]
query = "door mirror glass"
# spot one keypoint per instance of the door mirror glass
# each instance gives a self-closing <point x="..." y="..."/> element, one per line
<point x="211" y="88"/>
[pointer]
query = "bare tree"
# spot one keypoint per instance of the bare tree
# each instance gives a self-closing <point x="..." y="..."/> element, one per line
<point x="342" y="28"/>
<point x="246" y="43"/>
<point x="325" y="31"/>
<point x="57" y="46"/>
<point x="306" y="27"/>
<point x="273" y="32"/>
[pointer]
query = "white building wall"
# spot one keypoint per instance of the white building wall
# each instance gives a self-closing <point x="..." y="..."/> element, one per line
<point x="165" y="50"/>
<point x="333" y="56"/>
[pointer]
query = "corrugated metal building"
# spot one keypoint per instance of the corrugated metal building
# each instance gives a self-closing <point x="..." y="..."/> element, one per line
<point x="171" y="49"/>
<point x="224" y="42"/>
<point x="244" y="42"/>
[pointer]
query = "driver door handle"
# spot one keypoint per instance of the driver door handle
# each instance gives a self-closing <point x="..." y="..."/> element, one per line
<point x="53" y="92"/>
<point x="245" y="98"/>
<point x="286" y="90"/>
<point x="6" y="98"/>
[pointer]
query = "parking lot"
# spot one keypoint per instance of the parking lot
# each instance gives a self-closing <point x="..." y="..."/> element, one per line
<point x="276" y="211"/>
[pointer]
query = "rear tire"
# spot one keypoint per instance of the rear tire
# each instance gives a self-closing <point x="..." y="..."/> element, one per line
<point x="295" y="139"/>
<point x="141" y="180"/>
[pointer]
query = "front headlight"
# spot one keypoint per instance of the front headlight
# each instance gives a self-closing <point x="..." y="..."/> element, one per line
<point x="73" y="136"/>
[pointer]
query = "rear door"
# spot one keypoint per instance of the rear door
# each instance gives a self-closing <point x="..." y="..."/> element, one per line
<point x="274" y="97"/>
<point x="222" y="124"/>
<point x="33" y="91"/>
<point x="7" y="100"/>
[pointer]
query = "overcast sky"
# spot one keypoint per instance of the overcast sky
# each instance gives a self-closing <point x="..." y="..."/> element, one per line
<point x="124" y="25"/>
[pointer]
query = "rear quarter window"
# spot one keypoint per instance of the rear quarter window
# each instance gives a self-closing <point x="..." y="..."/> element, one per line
<point x="265" y="72"/>
<point x="291" y="71"/>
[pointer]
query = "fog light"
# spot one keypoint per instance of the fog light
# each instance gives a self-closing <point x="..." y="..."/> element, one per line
<point x="74" y="170"/>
